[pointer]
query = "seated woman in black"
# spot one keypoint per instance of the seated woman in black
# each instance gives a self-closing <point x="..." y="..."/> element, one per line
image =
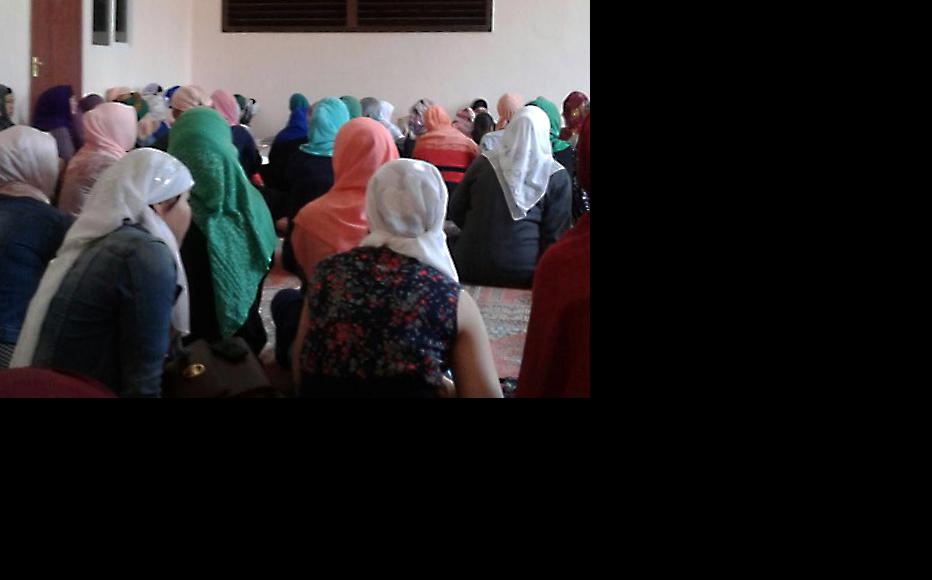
<point x="286" y="144"/>
<point x="310" y="170"/>
<point x="513" y="204"/>
<point x="389" y="318"/>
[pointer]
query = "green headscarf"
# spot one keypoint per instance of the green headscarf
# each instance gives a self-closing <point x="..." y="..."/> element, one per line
<point x="555" y="125"/>
<point x="135" y="101"/>
<point x="353" y="105"/>
<point x="298" y="101"/>
<point x="228" y="210"/>
<point x="329" y="115"/>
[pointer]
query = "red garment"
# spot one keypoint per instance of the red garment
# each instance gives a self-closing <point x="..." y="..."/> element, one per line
<point x="556" y="355"/>
<point x="452" y="164"/>
<point x="46" y="384"/>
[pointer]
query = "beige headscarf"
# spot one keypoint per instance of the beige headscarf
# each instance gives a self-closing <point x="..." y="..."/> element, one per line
<point x="28" y="163"/>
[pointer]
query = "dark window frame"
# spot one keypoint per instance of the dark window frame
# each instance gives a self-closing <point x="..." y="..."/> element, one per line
<point x="353" y="24"/>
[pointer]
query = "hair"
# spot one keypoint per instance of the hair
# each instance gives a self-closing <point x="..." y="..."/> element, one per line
<point x="483" y="125"/>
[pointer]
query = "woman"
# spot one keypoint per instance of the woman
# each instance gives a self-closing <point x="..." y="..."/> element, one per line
<point x="563" y="152"/>
<point x="508" y="107"/>
<point x="149" y="126"/>
<point x="109" y="131"/>
<point x="512" y="205"/>
<point x="416" y="127"/>
<point x="381" y="111"/>
<point x="484" y="125"/>
<point x="114" y="94"/>
<point x="336" y="222"/>
<point x="480" y="106"/>
<point x="230" y="246"/>
<point x="353" y="106"/>
<point x="225" y="104"/>
<point x="575" y="112"/>
<point x="446" y="148"/>
<point x="31" y="230"/>
<point x="310" y="170"/>
<point x="107" y="304"/>
<point x="187" y="98"/>
<point x="465" y="119"/>
<point x="286" y="144"/>
<point x="54" y="114"/>
<point x="389" y="318"/>
<point x="556" y="355"/>
<point x="7" y="107"/>
<point x="249" y="108"/>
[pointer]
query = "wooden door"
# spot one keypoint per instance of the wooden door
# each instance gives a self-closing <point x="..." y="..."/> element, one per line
<point x="56" y="46"/>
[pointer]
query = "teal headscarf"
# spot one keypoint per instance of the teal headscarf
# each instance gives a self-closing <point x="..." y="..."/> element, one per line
<point x="353" y="105"/>
<point x="553" y="113"/>
<point x="329" y="115"/>
<point x="298" y="101"/>
<point x="228" y="210"/>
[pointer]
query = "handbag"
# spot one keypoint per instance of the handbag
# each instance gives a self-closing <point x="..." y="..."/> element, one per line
<point x="218" y="370"/>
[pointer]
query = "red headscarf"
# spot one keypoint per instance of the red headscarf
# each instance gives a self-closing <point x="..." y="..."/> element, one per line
<point x="575" y="111"/>
<point x="556" y="356"/>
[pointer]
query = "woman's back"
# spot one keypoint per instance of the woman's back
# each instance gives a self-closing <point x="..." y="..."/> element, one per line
<point x="110" y="318"/>
<point x="308" y="177"/>
<point x="381" y="324"/>
<point x="30" y="234"/>
<point x="493" y="249"/>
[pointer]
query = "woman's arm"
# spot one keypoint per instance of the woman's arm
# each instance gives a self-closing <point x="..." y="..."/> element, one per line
<point x="303" y="327"/>
<point x="473" y="365"/>
<point x="557" y="211"/>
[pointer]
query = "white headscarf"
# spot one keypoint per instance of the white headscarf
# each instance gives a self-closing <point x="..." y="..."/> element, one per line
<point x="524" y="160"/>
<point x="28" y="163"/>
<point x="406" y="203"/>
<point x="124" y="192"/>
<point x="381" y="111"/>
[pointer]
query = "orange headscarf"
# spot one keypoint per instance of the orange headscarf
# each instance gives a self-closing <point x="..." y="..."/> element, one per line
<point x="441" y="134"/>
<point x="337" y="222"/>
<point x="508" y="106"/>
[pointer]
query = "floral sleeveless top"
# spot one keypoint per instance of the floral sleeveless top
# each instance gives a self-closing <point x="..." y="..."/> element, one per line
<point x="376" y="314"/>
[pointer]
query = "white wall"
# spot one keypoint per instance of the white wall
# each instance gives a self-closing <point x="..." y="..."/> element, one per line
<point x="159" y="48"/>
<point x="14" y="53"/>
<point x="538" y="47"/>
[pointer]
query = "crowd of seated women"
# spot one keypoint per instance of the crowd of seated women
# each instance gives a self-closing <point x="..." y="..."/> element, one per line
<point x="146" y="218"/>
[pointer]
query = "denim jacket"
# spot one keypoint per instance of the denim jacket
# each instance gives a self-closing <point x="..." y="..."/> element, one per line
<point x="110" y="319"/>
<point x="30" y="234"/>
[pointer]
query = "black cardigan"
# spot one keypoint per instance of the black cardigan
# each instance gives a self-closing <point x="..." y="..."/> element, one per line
<point x="493" y="249"/>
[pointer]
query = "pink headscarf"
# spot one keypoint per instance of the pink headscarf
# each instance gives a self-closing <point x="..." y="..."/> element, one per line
<point x="337" y="222"/>
<point x="109" y="132"/>
<point x="465" y="121"/>
<point x="226" y="105"/>
<point x="110" y="129"/>
<point x="508" y="107"/>
<point x="189" y="97"/>
<point x="116" y="92"/>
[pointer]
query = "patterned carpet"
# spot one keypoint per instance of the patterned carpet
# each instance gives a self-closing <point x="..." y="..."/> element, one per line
<point x="506" y="313"/>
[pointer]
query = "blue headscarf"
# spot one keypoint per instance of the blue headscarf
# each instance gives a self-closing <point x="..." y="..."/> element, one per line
<point x="296" y="130"/>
